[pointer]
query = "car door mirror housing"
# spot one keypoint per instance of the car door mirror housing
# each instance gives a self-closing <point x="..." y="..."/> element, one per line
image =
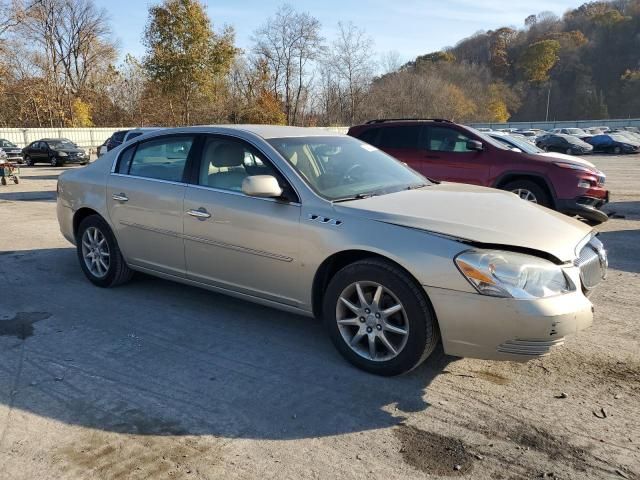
<point x="264" y="186"/>
<point x="475" y="145"/>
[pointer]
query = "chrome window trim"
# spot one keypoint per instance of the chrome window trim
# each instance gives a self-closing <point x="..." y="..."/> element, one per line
<point x="239" y="194"/>
<point x="149" y="178"/>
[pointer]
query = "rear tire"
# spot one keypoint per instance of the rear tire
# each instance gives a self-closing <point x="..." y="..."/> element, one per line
<point x="526" y="189"/>
<point x="415" y="318"/>
<point x="116" y="271"/>
<point x="29" y="161"/>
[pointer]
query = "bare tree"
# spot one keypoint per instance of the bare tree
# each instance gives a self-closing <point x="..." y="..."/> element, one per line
<point x="69" y="44"/>
<point x="288" y="43"/>
<point x="390" y="61"/>
<point x="350" y="60"/>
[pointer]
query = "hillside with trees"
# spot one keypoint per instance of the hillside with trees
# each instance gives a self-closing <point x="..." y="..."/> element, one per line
<point x="60" y="66"/>
<point x="585" y="63"/>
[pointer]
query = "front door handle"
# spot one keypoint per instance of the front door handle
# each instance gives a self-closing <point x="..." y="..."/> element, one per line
<point x="200" y="213"/>
<point x="120" y="197"/>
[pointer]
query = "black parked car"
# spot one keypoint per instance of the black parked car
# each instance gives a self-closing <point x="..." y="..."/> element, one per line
<point x="54" y="151"/>
<point x="13" y="152"/>
<point x="614" y="143"/>
<point x="557" y="142"/>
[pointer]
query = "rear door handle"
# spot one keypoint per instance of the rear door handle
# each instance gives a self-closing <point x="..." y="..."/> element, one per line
<point x="200" y="213"/>
<point x="120" y="197"/>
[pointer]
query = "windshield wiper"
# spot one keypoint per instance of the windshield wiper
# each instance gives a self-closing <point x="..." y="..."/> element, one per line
<point x="359" y="196"/>
<point x="416" y="186"/>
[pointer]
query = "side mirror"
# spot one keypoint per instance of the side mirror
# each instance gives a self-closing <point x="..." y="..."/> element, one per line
<point x="475" y="145"/>
<point x="264" y="186"/>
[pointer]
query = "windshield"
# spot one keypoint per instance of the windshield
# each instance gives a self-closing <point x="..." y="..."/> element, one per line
<point x="342" y="168"/>
<point x="489" y="139"/>
<point x="61" y="144"/>
<point x="621" y="138"/>
<point x="574" y="131"/>
<point x="526" y="147"/>
<point x="7" y="144"/>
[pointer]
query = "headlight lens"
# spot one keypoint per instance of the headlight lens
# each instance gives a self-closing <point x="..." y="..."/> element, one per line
<point x="63" y="154"/>
<point x="516" y="275"/>
<point x="573" y="166"/>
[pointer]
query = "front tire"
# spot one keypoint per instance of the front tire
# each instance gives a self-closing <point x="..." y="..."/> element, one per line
<point x="55" y="162"/>
<point x="379" y="318"/>
<point x="529" y="191"/>
<point x="99" y="255"/>
<point x="29" y="161"/>
<point x="617" y="150"/>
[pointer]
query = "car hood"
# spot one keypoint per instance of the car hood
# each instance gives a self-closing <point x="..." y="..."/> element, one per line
<point x="69" y="150"/>
<point x="568" y="159"/>
<point x="477" y="214"/>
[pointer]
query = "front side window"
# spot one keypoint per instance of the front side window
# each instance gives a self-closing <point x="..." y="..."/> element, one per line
<point x="160" y="158"/>
<point x="225" y="163"/>
<point x="444" y="139"/>
<point x="342" y="168"/>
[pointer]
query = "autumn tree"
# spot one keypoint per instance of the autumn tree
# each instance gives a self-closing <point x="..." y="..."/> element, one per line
<point x="185" y="57"/>
<point x="538" y="59"/>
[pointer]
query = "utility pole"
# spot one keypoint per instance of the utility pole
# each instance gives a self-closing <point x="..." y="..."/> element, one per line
<point x="546" y="118"/>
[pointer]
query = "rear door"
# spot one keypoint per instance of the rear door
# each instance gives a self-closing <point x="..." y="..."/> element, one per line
<point x="448" y="158"/>
<point x="404" y="142"/>
<point x="145" y="196"/>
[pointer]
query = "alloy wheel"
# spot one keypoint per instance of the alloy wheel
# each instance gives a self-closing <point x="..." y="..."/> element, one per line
<point x="525" y="194"/>
<point x="372" y="321"/>
<point x="95" y="252"/>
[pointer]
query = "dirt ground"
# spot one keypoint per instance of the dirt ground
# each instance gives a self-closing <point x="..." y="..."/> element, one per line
<point x="160" y="380"/>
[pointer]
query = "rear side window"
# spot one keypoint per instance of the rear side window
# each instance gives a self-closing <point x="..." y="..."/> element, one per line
<point x="160" y="159"/>
<point x="399" y="137"/>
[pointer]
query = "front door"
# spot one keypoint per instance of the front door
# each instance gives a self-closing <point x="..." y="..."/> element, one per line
<point x="237" y="242"/>
<point x="145" y="198"/>
<point x="447" y="157"/>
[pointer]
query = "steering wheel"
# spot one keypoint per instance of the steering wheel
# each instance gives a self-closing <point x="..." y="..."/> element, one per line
<point x="351" y="175"/>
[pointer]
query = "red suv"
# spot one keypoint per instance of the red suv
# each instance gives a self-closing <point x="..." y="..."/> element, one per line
<point x="443" y="150"/>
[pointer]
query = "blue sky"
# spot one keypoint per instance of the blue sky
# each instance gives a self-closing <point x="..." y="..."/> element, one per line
<point x="411" y="27"/>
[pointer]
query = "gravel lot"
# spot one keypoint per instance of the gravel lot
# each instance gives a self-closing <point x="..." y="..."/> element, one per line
<point x="160" y="380"/>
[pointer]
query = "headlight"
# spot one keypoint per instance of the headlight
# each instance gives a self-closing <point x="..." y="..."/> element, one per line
<point x="573" y="166"/>
<point x="516" y="275"/>
<point x="62" y="154"/>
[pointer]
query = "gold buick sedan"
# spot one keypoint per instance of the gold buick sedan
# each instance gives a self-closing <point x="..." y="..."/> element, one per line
<point x="325" y="225"/>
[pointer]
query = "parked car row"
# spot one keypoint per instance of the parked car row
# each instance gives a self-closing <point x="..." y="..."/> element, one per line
<point x="445" y="151"/>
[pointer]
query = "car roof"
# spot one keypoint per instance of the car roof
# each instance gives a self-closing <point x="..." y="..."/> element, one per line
<point x="264" y="131"/>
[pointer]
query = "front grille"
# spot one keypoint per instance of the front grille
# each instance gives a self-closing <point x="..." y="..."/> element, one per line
<point x="593" y="264"/>
<point x="530" y="347"/>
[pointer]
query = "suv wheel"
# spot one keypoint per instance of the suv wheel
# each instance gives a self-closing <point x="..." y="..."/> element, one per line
<point x="378" y="318"/>
<point x="529" y="191"/>
<point x="29" y="161"/>
<point x="99" y="254"/>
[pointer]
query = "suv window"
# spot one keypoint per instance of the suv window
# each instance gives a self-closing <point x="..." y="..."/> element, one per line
<point x="370" y="136"/>
<point x="399" y="137"/>
<point x="118" y="136"/>
<point x="160" y="158"/>
<point x="226" y="163"/>
<point x="444" y="139"/>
